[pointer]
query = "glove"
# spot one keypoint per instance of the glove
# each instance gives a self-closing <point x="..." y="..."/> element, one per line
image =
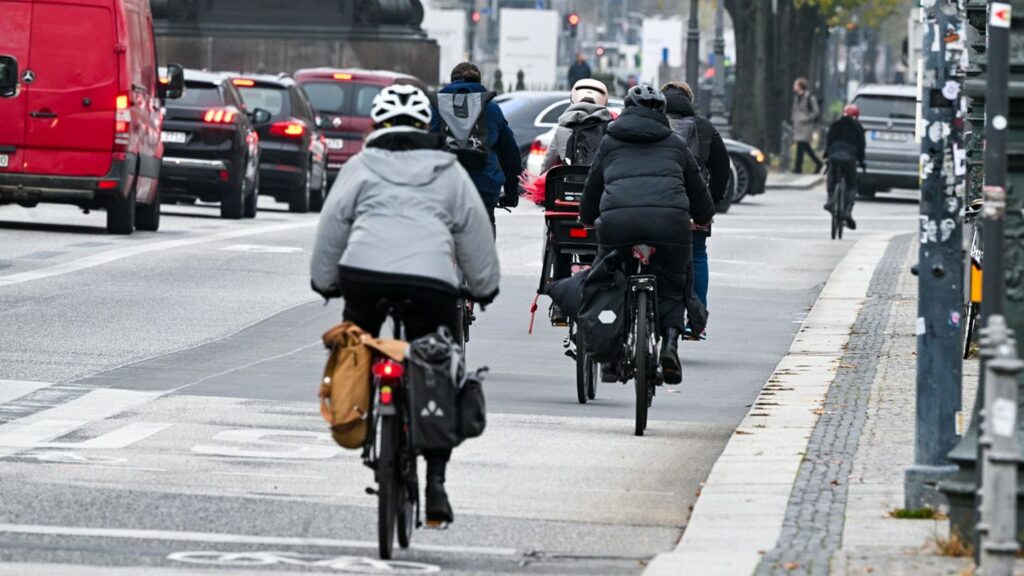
<point x="327" y="294"/>
<point x="510" y="194"/>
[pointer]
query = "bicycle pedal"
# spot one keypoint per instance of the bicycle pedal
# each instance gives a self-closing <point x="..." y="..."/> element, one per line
<point x="435" y="525"/>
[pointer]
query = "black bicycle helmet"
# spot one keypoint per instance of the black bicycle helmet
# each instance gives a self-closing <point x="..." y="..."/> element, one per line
<point x="645" y="95"/>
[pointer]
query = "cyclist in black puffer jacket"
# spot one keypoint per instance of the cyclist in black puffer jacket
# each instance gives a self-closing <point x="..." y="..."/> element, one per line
<point x="643" y="188"/>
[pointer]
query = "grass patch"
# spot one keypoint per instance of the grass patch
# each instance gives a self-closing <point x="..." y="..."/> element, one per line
<point x="920" y="514"/>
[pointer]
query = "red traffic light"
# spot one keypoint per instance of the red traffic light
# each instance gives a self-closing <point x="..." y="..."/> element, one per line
<point x="600" y="51"/>
<point x="476" y="17"/>
<point x="573" y="19"/>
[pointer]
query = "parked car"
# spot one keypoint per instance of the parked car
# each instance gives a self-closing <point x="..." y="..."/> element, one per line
<point x="293" y="152"/>
<point x="81" y="125"/>
<point x="211" y="149"/>
<point x="531" y="114"/>
<point x="342" y="98"/>
<point x="889" y="116"/>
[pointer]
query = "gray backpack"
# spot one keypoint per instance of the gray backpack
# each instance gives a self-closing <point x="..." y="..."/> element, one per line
<point x="465" y="127"/>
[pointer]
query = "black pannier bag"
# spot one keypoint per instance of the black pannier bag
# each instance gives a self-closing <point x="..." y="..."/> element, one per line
<point x="434" y="368"/>
<point x="603" y="309"/>
<point x="472" y="409"/>
<point x="567" y="293"/>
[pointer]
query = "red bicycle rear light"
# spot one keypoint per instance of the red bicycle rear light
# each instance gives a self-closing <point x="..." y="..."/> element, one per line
<point x="386" y="395"/>
<point x="577" y="233"/>
<point x="388" y="369"/>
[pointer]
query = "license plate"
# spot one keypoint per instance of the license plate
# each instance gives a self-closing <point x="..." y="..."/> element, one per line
<point x="4" y="160"/>
<point x="891" y="136"/>
<point x="173" y="137"/>
<point x="335" y="143"/>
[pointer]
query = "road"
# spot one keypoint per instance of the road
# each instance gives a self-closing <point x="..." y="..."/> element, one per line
<point x="157" y="401"/>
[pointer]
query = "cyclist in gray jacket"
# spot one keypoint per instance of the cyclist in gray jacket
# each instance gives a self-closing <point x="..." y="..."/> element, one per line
<point x="401" y="214"/>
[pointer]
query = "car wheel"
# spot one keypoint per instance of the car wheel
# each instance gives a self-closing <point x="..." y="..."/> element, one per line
<point x="730" y="193"/>
<point x="147" y="216"/>
<point x="232" y="203"/>
<point x="316" y="199"/>
<point x="121" y="213"/>
<point x="742" y="175"/>
<point x="252" y="199"/>
<point x="298" y="202"/>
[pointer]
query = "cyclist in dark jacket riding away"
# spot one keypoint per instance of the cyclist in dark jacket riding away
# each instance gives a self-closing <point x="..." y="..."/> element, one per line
<point x="844" y="150"/>
<point x="716" y="167"/>
<point x="399" y="215"/>
<point x="643" y="188"/>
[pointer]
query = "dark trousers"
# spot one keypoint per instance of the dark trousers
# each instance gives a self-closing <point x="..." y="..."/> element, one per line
<point x="427" y="311"/>
<point x="671" y="266"/>
<point x="845" y="168"/>
<point x="801" y="149"/>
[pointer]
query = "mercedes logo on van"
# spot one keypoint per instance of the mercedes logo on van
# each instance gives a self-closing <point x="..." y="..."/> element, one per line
<point x="28" y="77"/>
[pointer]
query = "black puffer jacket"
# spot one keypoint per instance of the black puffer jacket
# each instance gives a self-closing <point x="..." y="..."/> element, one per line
<point x="714" y="154"/>
<point x="644" y="184"/>
<point x="845" y="140"/>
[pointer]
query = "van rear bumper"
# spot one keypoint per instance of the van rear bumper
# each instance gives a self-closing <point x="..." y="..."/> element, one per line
<point x="81" y="190"/>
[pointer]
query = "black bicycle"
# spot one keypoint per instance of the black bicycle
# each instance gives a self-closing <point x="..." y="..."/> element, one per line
<point x="389" y="449"/>
<point x="836" y="204"/>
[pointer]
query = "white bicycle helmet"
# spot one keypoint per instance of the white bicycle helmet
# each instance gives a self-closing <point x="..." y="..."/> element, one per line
<point x="590" y="90"/>
<point x="401" y="105"/>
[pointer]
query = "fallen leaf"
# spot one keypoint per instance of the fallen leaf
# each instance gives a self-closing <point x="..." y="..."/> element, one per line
<point x="791" y="565"/>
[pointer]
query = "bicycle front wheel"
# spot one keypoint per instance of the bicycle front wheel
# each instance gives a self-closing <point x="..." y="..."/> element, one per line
<point x="387" y="487"/>
<point x="641" y="361"/>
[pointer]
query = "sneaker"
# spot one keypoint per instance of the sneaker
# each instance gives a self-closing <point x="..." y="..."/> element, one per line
<point x="439" y="511"/>
<point x="688" y="334"/>
<point x="850" y="223"/>
<point x="558" y="318"/>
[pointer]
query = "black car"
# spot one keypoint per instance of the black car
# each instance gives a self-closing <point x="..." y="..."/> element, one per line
<point x="293" y="152"/>
<point x="211" y="150"/>
<point x="531" y="114"/>
<point x="751" y="172"/>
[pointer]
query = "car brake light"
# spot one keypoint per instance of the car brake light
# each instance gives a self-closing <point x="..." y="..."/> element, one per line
<point x="386" y="395"/>
<point x="289" y="128"/>
<point x="243" y="82"/>
<point x="537" y="148"/>
<point x="577" y="233"/>
<point x="342" y="76"/>
<point x="219" y="116"/>
<point x="388" y="369"/>
<point x="108" y="184"/>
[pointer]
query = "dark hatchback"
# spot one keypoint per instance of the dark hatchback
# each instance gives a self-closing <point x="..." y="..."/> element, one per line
<point x="343" y="97"/>
<point x="293" y="153"/>
<point x="211" y="150"/>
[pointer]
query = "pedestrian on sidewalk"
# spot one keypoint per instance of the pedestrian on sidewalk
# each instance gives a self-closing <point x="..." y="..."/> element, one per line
<point x="579" y="70"/>
<point x="804" y="116"/>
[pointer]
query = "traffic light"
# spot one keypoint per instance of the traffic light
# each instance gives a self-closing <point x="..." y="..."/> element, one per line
<point x="572" y="23"/>
<point x="475" y="17"/>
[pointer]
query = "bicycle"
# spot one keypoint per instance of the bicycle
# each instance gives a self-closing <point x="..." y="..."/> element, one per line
<point x="972" y="276"/>
<point x="389" y="451"/>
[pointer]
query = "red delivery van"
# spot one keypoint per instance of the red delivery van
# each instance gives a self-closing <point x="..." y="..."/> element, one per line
<point x="80" y="108"/>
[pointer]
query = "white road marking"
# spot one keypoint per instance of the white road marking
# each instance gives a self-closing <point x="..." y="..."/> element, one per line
<point x="108" y="256"/>
<point x="261" y="249"/>
<point x="14" y="389"/>
<point x="258" y="437"/>
<point x="214" y="537"/>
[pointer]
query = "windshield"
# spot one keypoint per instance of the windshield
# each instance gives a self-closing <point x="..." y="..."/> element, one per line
<point x="886" y="107"/>
<point x="270" y="99"/>
<point x="342" y="98"/>
<point x="199" y="95"/>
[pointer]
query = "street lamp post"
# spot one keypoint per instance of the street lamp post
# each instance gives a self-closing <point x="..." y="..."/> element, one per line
<point x="718" y="93"/>
<point x="693" y="47"/>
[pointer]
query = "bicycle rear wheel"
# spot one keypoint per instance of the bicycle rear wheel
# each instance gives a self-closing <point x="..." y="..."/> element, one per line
<point x="387" y="487"/>
<point x="640" y="359"/>
<point x="407" y="501"/>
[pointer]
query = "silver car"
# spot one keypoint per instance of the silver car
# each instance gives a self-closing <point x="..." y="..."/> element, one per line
<point x="889" y="115"/>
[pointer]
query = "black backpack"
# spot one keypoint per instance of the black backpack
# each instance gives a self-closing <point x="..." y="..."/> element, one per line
<point x="603" y="309"/>
<point x="583" y="143"/>
<point x="687" y="129"/>
<point x="465" y="127"/>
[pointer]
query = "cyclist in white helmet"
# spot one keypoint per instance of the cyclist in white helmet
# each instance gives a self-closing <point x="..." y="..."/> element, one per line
<point x="398" y="214"/>
<point x="581" y="127"/>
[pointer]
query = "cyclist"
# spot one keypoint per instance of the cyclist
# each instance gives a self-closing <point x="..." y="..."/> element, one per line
<point x="844" y="150"/>
<point x="399" y="213"/>
<point x="583" y="123"/>
<point x="643" y="187"/>
<point x="708" y="148"/>
<point x="498" y="181"/>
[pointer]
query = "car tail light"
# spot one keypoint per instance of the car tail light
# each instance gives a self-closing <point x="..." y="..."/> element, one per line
<point x="108" y="184"/>
<point x="122" y="120"/>
<point x="219" y="116"/>
<point x="386" y="395"/>
<point x="577" y="233"/>
<point x="342" y="76"/>
<point x="537" y="148"/>
<point x="388" y="369"/>
<point x="288" y="128"/>
<point x="245" y="82"/>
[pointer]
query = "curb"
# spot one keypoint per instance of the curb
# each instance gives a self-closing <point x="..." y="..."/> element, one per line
<point x="805" y="182"/>
<point x="739" y="514"/>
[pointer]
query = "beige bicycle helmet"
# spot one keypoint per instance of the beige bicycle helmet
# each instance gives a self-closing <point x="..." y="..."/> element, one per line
<point x="590" y="90"/>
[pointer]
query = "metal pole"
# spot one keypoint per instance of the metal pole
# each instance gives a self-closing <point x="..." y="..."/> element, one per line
<point x="998" y="492"/>
<point x="939" y="362"/>
<point x="693" y="47"/>
<point x="718" y="93"/>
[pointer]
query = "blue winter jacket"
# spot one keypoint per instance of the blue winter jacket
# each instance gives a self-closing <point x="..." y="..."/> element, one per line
<point x="505" y="163"/>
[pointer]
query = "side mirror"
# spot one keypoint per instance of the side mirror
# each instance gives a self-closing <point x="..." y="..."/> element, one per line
<point x="260" y="116"/>
<point x="8" y="77"/>
<point x="175" y="82"/>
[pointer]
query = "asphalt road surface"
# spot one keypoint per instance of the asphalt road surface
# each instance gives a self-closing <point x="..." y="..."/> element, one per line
<point x="157" y="401"/>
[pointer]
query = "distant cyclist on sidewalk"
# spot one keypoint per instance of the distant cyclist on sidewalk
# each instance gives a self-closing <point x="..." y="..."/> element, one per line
<point x="844" y="152"/>
<point x="399" y="214"/>
<point x="708" y="149"/>
<point x="643" y="187"/>
<point x="475" y="129"/>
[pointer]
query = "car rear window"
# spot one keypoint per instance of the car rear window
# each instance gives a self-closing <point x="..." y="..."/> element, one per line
<point x="349" y="99"/>
<point x="199" y="95"/>
<point x="273" y="100"/>
<point x="886" y="107"/>
<point x="509" y="106"/>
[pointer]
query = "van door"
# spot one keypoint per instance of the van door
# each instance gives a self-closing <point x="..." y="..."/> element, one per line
<point x="71" y="101"/>
<point x="15" y="17"/>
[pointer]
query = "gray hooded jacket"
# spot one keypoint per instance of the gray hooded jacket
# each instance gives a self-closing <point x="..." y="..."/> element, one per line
<point x="409" y="214"/>
<point x="574" y="115"/>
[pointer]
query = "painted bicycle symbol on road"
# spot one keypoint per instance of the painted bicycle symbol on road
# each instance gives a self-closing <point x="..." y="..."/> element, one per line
<point x="347" y="564"/>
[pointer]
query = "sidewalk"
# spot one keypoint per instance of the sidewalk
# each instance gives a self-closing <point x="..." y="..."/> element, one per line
<point x="806" y="484"/>
<point x="780" y="180"/>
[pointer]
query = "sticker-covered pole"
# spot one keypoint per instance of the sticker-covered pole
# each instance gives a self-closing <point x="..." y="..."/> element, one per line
<point x="940" y="271"/>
